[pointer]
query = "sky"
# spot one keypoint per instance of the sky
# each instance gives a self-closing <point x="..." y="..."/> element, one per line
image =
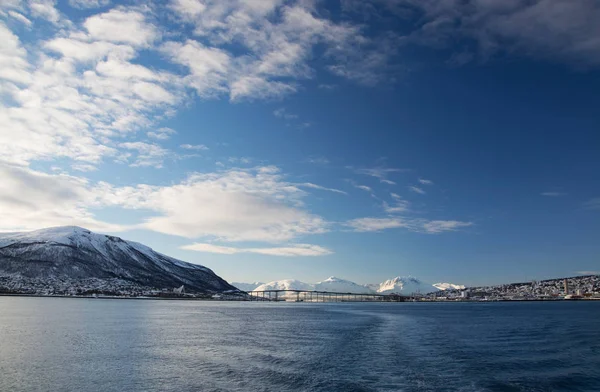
<point x="455" y="141"/>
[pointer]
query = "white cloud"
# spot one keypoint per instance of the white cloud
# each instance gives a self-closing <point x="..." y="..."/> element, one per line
<point x="161" y="133"/>
<point x="317" y="160"/>
<point x="31" y="200"/>
<point x="399" y="206"/>
<point x="71" y="96"/>
<point x="380" y="173"/>
<point x="235" y="205"/>
<point x="208" y="67"/>
<point x="83" y="167"/>
<point x="44" y="9"/>
<point x="198" y="147"/>
<point x="76" y="92"/>
<point x="286" y="251"/>
<point x="14" y="66"/>
<point x="149" y="154"/>
<point x="416" y="225"/>
<point x="278" y="36"/>
<point x="439" y="226"/>
<point x="377" y="224"/>
<point x="416" y="189"/>
<point x="20" y="17"/>
<point x="86" y="4"/>
<point x="255" y="87"/>
<point x="425" y="182"/>
<point x="122" y="26"/>
<point x="282" y="113"/>
<point x="188" y="10"/>
<point x="80" y="50"/>
<point x="315" y="186"/>
<point x="364" y="188"/>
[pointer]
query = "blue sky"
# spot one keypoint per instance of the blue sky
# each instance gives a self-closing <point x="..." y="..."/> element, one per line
<point x="454" y="141"/>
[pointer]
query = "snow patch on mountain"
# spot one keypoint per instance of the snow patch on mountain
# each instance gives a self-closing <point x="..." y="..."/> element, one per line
<point x="286" y="284"/>
<point x="451" y="286"/>
<point x="337" y="285"/>
<point x="75" y="253"/>
<point x="246" y="286"/>
<point x="405" y="285"/>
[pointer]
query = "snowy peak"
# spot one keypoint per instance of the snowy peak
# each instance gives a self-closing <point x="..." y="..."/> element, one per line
<point x="338" y="285"/>
<point x="66" y="235"/>
<point x="286" y="284"/>
<point x="71" y="252"/>
<point x="405" y="285"/>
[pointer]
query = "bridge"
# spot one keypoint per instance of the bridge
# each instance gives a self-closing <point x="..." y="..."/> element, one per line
<point x="320" y="296"/>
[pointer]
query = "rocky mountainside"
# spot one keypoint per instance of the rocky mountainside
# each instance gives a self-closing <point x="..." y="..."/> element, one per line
<point x="51" y="256"/>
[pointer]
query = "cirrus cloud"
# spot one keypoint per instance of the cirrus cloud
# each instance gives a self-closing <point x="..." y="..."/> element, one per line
<point x="293" y="250"/>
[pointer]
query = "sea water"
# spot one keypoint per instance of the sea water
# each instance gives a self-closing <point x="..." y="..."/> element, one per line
<point x="59" y="344"/>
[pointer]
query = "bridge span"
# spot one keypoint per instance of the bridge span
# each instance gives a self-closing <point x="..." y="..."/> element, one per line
<point x="320" y="296"/>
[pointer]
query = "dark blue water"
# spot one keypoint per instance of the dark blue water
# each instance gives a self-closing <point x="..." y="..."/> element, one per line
<point x="53" y="344"/>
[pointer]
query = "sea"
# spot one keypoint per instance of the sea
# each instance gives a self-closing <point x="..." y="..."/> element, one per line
<point x="61" y="344"/>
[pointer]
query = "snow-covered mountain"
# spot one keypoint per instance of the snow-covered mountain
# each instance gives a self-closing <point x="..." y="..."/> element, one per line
<point x="398" y="285"/>
<point x="405" y="285"/>
<point x="337" y="285"/>
<point x="446" y="286"/>
<point x="74" y="253"/>
<point x="246" y="286"/>
<point x="286" y="284"/>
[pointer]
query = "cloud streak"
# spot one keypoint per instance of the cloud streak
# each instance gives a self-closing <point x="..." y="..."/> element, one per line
<point x="370" y="224"/>
<point x="294" y="250"/>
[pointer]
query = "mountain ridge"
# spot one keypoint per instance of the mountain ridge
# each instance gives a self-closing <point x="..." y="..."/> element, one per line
<point x="77" y="254"/>
<point x="396" y="285"/>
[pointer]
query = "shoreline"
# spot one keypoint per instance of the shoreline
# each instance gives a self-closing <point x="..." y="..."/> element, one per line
<point x="234" y="300"/>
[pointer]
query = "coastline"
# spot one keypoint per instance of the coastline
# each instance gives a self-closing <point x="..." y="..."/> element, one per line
<point x="241" y="300"/>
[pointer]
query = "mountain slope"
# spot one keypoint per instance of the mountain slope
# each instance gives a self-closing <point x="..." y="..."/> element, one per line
<point x="286" y="284"/>
<point x="449" y="286"/>
<point x="246" y="286"/>
<point x="405" y="285"/>
<point x="71" y="252"/>
<point x="337" y="285"/>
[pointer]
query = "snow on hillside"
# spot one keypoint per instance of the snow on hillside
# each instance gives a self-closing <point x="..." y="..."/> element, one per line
<point x="77" y="254"/>
<point x="451" y="286"/>
<point x="398" y="285"/>
<point x="246" y="286"/>
<point x="286" y="284"/>
<point x="337" y="285"/>
<point x="79" y="237"/>
<point x="405" y="285"/>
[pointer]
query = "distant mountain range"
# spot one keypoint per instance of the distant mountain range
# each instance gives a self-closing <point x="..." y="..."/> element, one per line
<point x="73" y="260"/>
<point x="397" y="285"/>
<point x="50" y="257"/>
